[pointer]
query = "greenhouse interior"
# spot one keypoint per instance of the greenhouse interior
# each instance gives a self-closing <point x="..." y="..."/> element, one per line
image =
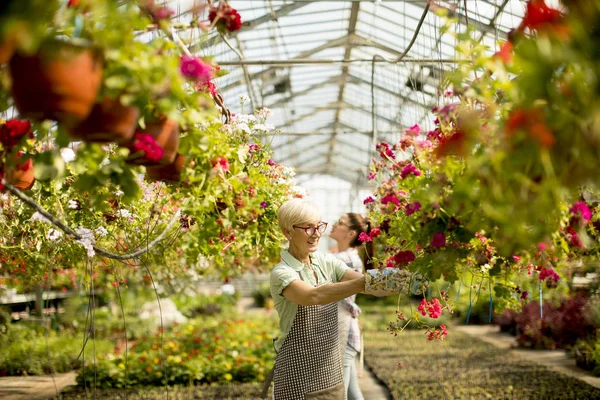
<point x="299" y="199"/>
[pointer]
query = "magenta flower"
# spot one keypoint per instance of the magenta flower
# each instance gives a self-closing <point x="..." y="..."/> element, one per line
<point x="581" y="208"/>
<point x="390" y="199"/>
<point x="524" y="295"/>
<point x="252" y="147"/>
<point x="412" y="208"/>
<point x="271" y="162"/>
<point x="263" y="204"/>
<point x="516" y="259"/>
<point x="409" y="169"/>
<point x="163" y="13"/>
<point x="439" y="240"/>
<point x="372" y="175"/>
<point x="146" y="144"/>
<point x="368" y="200"/>
<point x="414" y="130"/>
<point x="549" y="274"/>
<point x="363" y="237"/>
<point x="196" y="69"/>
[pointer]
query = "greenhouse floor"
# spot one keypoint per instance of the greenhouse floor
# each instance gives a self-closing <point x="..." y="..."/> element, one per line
<point x="554" y="359"/>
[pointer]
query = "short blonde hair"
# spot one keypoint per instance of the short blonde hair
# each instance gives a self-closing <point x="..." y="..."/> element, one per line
<point x="297" y="212"/>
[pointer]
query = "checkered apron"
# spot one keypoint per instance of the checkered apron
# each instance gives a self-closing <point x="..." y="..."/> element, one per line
<point x="309" y="363"/>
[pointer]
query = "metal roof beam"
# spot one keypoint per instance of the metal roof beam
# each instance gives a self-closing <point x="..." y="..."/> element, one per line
<point x="341" y="41"/>
<point x="249" y="25"/>
<point x="330" y="106"/>
<point x="330" y="81"/>
<point x="286" y="144"/>
<point x="344" y="77"/>
<point x="358" y="80"/>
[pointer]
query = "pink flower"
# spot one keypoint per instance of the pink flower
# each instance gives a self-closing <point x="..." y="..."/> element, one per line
<point x="163" y="13"/>
<point x="581" y="208"/>
<point x="384" y="150"/>
<point x="390" y="199"/>
<point x="549" y="274"/>
<point x="516" y="259"/>
<point x="196" y="69"/>
<point x="271" y="162"/>
<point x="221" y="164"/>
<point x="374" y="233"/>
<point x="439" y="240"/>
<point x="368" y="200"/>
<point x="363" y="237"/>
<point x="414" y="130"/>
<point x="252" y="147"/>
<point x="372" y="175"/>
<point x="404" y="257"/>
<point x="207" y="87"/>
<point x="412" y="208"/>
<point x="542" y="246"/>
<point x="147" y="144"/>
<point x="263" y="204"/>
<point x="409" y="169"/>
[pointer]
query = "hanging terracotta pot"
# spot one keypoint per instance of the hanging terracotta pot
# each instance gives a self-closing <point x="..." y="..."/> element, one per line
<point x="170" y="172"/>
<point x="165" y="133"/>
<point x="21" y="175"/>
<point x="109" y="121"/>
<point x="7" y="48"/>
<point x="60" y="82"/>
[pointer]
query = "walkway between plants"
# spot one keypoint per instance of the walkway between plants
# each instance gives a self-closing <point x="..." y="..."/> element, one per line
<point x="557" y="360"/>
<point x="34" y="387"/>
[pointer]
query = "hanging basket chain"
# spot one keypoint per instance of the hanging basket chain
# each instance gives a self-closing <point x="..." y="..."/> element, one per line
<point x="30" y="202"/>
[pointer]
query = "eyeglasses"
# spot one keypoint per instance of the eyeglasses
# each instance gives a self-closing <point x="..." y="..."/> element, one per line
<point x="311" y="230"/>
<point x="340" y="222"/>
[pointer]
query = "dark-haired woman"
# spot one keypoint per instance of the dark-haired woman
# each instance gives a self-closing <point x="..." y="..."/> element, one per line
<point x="345" y="232"/>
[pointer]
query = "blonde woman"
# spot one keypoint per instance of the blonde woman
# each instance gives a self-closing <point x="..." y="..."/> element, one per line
<point x="306" y="286"/>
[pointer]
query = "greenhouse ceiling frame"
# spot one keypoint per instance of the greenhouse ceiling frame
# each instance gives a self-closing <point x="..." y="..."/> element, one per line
<point x="336" y="126"/>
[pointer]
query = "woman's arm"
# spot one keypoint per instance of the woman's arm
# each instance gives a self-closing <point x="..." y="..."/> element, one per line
<point x="302" y="293"/>
<point x="351" y="274"/>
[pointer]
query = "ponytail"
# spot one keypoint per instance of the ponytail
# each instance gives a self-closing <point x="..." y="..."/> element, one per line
<point x="359" y="224"/>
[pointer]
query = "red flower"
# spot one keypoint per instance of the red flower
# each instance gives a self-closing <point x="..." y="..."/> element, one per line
<point x="390" y="199"/>
<point x="207" y="87"/>
<point x="368" y="200"/>
<point x="374" y="233"/>
<point x="531" y="121"/>
<point x="538" y="15"/>
<point x="221" y="164"/>
<point x="227" y="18"/>
<point x="13" y="131"/>
<point x="410" y="169"/>
<point x="506" y="52"/>
<point x="549" y="274"/>
<point x="404" y="257"/>
<point x="147" y="144"/>
<point x="412" y="208"/>
<point x="73" y="3"/>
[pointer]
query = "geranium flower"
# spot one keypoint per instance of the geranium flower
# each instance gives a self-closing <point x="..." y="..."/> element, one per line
<point x="227" y="18"/>
<point x="163" y="13"/>
<point x="412" y="208"/>
<point x="12" y="131"/>
<point x="363" y="237"/>
<point x="207" y="87"/>
<point x="368" y="200"/>
<point x="146" y="144"/>
<point x="432" y="308"/>
<point x="404" y="257"/>
<point x="532" y="121"/>
<point x="196" y="69"/>
<point x="439" y="240"/>
<point x="506" y="52"/>
<point x="538" y="15"/>
<point x="372" y="175"/>
<point x="374" y="233"/>
<point x="271" y="162"/>
<point x="221" y="164"/>
<point x="414" y="130"/>
<point x="581" y="208"/>
<point x="390" y="199"/>
<point x="549" y="274"/>
<point x="409" y="169"/>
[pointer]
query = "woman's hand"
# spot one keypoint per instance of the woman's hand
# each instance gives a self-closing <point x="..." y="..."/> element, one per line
<point x="302" y="293"/>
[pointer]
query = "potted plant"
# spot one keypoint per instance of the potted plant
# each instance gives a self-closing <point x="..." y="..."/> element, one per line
<point x="59" y="82"/>
<point x="170" y="172"/>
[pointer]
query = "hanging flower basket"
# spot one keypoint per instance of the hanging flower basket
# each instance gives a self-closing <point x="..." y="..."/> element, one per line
<point x="60" y="82"/>
<point x="169" y="172"/>
<point x="157" y="144"/>
<point x="109" y="121"/>
<point x="20" y="175"/>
